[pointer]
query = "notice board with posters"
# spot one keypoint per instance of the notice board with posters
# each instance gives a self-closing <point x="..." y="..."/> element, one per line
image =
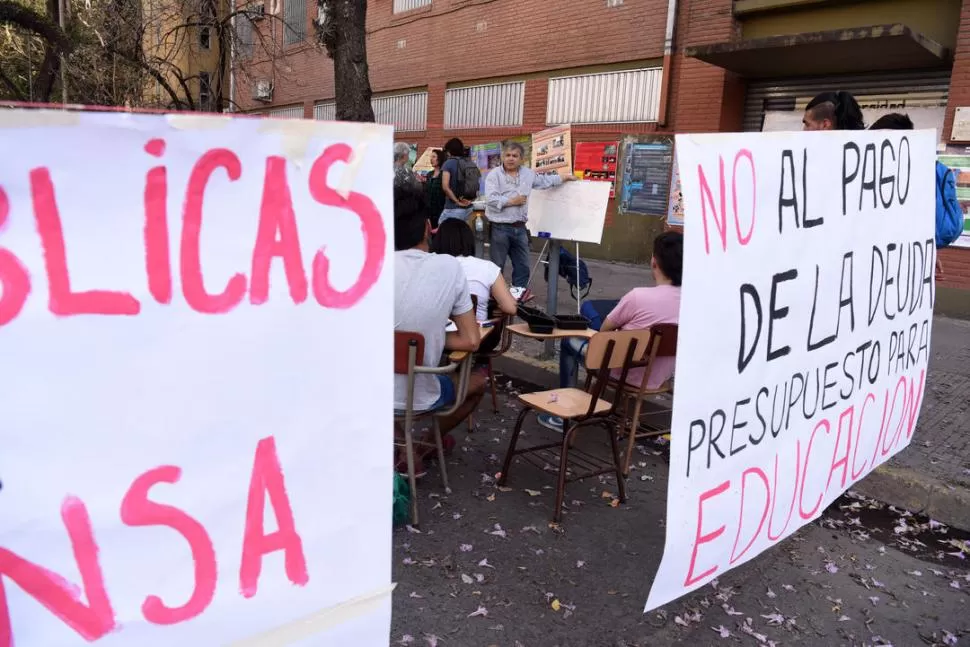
<point x="552" y="151"/>
<point x="645" y="169"/>
<point x="812" y="372"/>
<point x="177" y="369"/>
<point x="675" y="208"/>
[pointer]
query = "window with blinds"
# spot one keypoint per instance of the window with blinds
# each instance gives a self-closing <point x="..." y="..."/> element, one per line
<point x="325" y="111"/>
<point x="294" y="21"/>
<point x="627" y="96"/>
<point x="482" y="106"/>
<point x="400" y="6"/>
<point x="407" y="112"/>
<point x="287" y="112"/>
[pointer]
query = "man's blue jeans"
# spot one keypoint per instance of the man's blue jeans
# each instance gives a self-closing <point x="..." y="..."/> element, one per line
<point x="572" y="351"/>
<point x="509" y="240"/>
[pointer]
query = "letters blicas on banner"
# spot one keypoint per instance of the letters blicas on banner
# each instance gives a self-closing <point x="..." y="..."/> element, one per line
<point x="804" y="341"/>
<point x="175" y="303"/>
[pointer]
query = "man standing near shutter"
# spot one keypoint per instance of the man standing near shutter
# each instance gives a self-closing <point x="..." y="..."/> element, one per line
<point x="507" y="190"/>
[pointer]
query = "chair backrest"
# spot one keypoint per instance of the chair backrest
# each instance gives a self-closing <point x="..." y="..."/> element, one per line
<point x="404" y="342"/>
<point x="627" y="350"/>
<point x="614" y="349"/>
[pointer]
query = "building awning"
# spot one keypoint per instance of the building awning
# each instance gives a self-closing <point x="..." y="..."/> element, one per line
<point x="837" y="51"/>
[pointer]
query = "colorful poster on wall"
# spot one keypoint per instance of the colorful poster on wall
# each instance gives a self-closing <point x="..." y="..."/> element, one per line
<point x="646" y="164"/>
<point x="814" y="373"/>
<point x="596" y="161"/>
<point x="162" y="398"/>
<point x="958" y="159"/>
<point x="486" y="157"/>
<point x="552" y="151"/>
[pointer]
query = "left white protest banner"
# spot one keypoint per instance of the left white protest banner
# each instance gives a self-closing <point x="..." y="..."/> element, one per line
<point x="196" y="381"/>
<point x="805" y="322"/>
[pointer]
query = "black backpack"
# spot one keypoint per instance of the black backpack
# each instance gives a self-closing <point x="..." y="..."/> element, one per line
<point x="469" y="179"/>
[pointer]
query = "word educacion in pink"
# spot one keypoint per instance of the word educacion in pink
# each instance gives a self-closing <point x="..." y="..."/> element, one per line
<point x="97" y="618"/>
<point x="277" y="236"/>
<point x="832" y="452"/>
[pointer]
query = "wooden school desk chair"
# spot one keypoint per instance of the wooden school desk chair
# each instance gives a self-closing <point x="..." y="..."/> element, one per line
<point x="581" y="408"/>
<point x="663" y="343"/>
<point x="408" y="360"/>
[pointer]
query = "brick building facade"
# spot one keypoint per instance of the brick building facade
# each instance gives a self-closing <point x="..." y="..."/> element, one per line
<point x="485" y="70"/>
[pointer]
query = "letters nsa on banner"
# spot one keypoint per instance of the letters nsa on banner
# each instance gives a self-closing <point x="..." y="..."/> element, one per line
<point x="804" y="339"/>
<point x="176" y="298"/>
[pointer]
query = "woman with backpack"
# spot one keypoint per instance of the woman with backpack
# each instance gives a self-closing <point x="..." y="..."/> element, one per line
<point x="459" y="181"/>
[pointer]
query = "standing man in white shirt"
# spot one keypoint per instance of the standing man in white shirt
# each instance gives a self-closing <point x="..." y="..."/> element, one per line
<point x="507" y="190"/>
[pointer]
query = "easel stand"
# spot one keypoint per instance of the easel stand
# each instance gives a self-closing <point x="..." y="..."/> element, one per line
<point x="551" y="247"/>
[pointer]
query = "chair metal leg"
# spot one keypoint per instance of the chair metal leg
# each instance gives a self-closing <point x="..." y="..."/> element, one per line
<point x="567" y="441"/>
<point x="632" y="440"/>
<point x="507" y="463"/>
<point x="491" y="383"/>
<point x="409" y="449"/>
<point x="441" y="455"/>
<point x="615" y="447"/>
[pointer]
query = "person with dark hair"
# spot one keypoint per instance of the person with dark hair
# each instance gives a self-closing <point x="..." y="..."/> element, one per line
<point x="485" y="280"/>
<point x="949" y="212"/>
<point x="833" y="111"/>
<point x="893" y="121"/>
<point x="430" y="289"/>
<point x="640" y="309"/>
<point x="433" y="189"/>
<point x="456" y="205"/>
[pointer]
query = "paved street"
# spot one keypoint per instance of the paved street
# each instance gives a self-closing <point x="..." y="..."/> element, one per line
<point x="487" y="568"/>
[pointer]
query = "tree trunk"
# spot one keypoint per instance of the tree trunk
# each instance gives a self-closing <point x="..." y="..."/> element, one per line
<point x="344" y="35"/>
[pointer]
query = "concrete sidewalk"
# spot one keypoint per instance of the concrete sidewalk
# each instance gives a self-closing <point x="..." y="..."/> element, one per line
<point x="931" y="476"/>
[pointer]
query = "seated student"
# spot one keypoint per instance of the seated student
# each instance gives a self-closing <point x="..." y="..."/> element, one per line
<point x="641" y="308"/>
<point x="430" y="289"/>
<point x="485" y="280"/>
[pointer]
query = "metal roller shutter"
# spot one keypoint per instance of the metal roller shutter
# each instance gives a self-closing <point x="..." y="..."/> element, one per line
<point x="927" y="87"/>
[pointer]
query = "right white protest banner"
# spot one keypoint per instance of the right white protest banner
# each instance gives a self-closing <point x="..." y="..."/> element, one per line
<point x="804" y="337"/>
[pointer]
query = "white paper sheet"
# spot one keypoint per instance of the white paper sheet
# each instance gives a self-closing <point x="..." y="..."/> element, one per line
<point x="574" y="211"/>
